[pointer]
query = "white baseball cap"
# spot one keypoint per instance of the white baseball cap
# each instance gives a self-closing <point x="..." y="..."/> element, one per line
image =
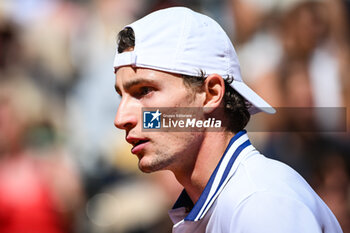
<point x="179" y="40"/>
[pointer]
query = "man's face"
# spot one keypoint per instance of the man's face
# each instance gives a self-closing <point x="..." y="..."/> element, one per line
<point x="140" y="88"/>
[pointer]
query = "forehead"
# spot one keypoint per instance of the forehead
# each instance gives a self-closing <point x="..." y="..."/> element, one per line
<point x="127" y="74"/>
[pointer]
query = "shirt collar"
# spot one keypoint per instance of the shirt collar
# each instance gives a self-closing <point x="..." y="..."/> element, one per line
<point x="219" y="178"/>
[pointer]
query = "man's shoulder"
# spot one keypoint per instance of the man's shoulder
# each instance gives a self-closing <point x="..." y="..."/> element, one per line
<point x="263" y="188"/>
<point x="269" y="211"/>
<point x="258" y="174"/>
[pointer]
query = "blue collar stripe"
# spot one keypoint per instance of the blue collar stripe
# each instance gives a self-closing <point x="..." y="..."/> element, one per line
<point x="224" y="176"/>
<point x="193" y="215"/>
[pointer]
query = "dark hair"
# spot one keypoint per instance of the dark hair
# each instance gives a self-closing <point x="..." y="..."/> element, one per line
<point x="126" y="39"/>
<point x="236" y="107"/>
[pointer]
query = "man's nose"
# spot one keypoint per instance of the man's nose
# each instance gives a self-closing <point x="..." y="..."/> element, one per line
<point x="126" y="117"/>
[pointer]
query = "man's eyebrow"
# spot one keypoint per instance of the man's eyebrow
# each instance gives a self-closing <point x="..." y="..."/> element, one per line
<point x="117" y="89"/>
<point x="135" y="82"/>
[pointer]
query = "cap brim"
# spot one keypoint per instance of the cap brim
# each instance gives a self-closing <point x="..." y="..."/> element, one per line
<point x="258" y="104"/>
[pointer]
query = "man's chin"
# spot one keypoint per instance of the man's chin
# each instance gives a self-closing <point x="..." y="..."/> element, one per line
<point x="148" y="166"/>
<point x="146" y="169"/>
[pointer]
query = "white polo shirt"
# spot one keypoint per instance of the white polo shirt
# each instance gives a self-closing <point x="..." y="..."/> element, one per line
<point x="249" y="193"/>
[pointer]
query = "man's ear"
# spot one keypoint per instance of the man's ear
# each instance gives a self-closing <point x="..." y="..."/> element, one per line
<point x="214" y="87"/>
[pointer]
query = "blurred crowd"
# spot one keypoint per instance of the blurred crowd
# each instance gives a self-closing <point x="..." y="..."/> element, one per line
<point x="64" y="168"/>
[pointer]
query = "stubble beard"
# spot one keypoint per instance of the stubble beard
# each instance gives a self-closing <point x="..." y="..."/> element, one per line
<point x="158" y="161"/>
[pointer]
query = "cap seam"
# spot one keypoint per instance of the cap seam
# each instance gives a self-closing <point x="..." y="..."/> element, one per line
<point x="227" y="57"/>
<point x="180" y="46"/>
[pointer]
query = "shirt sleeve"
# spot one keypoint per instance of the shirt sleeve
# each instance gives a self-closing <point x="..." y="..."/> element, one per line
<point x="270" y="213"/>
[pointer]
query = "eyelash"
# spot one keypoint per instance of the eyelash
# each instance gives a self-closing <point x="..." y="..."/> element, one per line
<point x="143" y="91"/>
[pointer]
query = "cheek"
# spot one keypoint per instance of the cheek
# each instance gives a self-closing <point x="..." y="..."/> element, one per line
<point x="178" y="142"/>
<point x="184" y="99"/>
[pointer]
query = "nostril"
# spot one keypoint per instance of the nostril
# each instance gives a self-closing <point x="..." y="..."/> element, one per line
<point x="120" y="125"/>
<point x="125" y="122"/>
<point x="126" y="126"/>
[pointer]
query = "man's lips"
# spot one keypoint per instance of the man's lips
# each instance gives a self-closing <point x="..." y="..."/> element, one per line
<point x="137" y="143"/>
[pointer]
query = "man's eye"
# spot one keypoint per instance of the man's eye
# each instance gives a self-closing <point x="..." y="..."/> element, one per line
<point x="143" y="91"/>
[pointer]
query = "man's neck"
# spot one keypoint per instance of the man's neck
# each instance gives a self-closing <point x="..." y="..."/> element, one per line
<point x="209" y="154"/>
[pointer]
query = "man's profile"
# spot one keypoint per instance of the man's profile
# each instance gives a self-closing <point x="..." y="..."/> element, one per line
<point x="179" y="58"/>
